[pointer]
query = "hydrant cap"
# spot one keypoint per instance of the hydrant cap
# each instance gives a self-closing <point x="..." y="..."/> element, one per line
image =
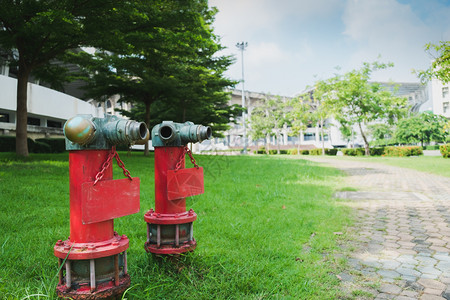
<point x="79" y="130"/>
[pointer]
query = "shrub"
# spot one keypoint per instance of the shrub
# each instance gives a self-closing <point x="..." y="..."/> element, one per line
<point x="57" y="145"/>
<point x="445" y="150"/>
<point x="432" y="147"/>
<point x="332" y="151"/>
<point x="317" y="151"/>
<point x="293" y="151"/>
<point x="353" y="151"/>
<point x="7" y="143"/>
<point x="304" y="152"/>
<point x="403" y="151"/>
<point x="378" y="151"/>
<point x="41" y="147"/>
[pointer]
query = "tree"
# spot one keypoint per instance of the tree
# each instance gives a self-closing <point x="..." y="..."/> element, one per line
<point x="440" y="67"/>
<point x="35" y="33"/>
<point x="170" y="64"/>
<point x="424" y="128"/>
<point x="322" y="95"/>
<point x="299" y="116"/>
<point x="380" y="133"/>
<point x="268" y="119"/>
<point x="357" y="101"/>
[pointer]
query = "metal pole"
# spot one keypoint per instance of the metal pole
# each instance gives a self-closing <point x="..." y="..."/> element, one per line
<point x="242" y="47"/>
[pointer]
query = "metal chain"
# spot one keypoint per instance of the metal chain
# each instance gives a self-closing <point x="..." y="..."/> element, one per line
<point x="180" y="162"/>
<point x="107" y="163"/>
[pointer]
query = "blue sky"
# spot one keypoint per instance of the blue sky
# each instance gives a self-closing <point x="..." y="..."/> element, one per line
<point x="292" y="43"/>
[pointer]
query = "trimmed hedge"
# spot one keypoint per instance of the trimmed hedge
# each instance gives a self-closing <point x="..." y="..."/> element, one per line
<point x="332" y="151"/>
<point x="432" y="147"/>
<point x="57" y="145"/>
<point x="403" y="151"/>
<point x="317" y="151"/>
<point x="445" y="150"/>
<point x="354" y="151"/>
<point x="8" y="144"/>
<point x="378" y="151"/>
<point x="294" y="152"/>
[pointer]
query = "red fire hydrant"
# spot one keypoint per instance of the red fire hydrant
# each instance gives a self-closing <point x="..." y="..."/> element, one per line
<point x="170" y="226"/>
<point x="93" y="260"/>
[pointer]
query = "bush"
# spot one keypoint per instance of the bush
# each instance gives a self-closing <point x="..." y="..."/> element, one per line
<point x="445" y="150"/>
<point x="354" y="151"/>
<point x="432" y="147"/>
<point x="41" y="147"/>
<point x="304" y="152"/>
<point x="292" y="151"/>
<point x="57" y="145"/>
<point x="317" y="151"/>
<point x="403" y="151"/>
<point x="332" y="151"/>
<point x="7" y="143"/>
<point x="378" y="151"/>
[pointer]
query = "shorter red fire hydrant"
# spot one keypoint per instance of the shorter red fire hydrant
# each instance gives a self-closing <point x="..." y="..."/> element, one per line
<point x="170" y="226"/>
<point x="93" y="260"/>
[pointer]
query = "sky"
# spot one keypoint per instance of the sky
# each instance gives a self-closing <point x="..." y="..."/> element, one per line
<point x="293" y="43"/>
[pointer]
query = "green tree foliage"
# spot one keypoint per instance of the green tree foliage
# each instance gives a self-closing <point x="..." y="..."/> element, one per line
<point x="35" y="33"/>
<point x="322" y="97"/>
<point x="381" y="133"/>
<point x="299" y="116"/>
<point x="356" y="101"/>
<point x="169" y="64"/>
<point x="440" y="67"/>
<point x="268" y="119"/>
<point x="424" y="128"/>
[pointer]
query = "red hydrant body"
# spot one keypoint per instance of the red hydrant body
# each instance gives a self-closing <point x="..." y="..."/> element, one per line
<point x="170" y="226"/>
<point x="93" y="260"/>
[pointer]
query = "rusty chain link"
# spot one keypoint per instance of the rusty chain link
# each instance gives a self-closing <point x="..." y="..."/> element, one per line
<point x="107" y="163"/>
<point x="188" y="151"/>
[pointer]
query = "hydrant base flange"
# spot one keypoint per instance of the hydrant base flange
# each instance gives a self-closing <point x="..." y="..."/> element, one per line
<point x="153" y="217"/>
<point x="169" y="249"/>
<point x="105" y="290"/>
<point x="77" y="251"/>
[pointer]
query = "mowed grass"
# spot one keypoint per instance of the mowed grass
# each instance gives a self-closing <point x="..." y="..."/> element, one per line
<point x="265" y="229"/>
<point x="430" y="164"/>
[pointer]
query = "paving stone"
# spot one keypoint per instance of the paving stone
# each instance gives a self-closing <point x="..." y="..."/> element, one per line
<point x="407" y="259"/>
<point x="444" y="267"/>
<point x="445" y="280"/>
<point x="427" y="261"/>
<point x="433" y="291"/>
<point x="384" y="296"/>
<point x="432" y="284"/>
<point x="429" y="270"/>
<point x="408" y="271"/>
<point x="446" y="294"/>
<point x="431" y="297"/>
<point x="410" y="294"/>
<point x="388" y="274"/>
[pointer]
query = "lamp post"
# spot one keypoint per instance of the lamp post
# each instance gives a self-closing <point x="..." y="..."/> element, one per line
<point x="241" y="46"/>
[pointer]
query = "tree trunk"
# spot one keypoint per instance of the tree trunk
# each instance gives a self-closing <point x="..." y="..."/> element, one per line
<point x="299" y="142"/>
<point x="147" y="122"/>
<point x="278" y="142"/>
<point x="321" y="133"/>
<point x="267" y="144"/>
<point x="366" y="143"/>
<point x="22" y="110"/>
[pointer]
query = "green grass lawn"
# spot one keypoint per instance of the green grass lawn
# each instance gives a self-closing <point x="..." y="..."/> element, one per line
<point x="430" y="164"/>
<point x="264" y="229"/>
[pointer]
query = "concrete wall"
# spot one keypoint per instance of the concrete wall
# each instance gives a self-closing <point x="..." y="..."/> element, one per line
<point x="43" y="103"/>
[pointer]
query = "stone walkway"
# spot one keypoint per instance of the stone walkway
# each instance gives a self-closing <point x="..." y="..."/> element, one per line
<point x="403" y="226"/>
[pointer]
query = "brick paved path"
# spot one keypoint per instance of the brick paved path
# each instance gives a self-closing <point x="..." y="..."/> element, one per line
<point x="403" y="223"/>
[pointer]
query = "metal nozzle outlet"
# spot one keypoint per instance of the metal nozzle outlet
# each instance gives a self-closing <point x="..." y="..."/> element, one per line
<point x="167" y="133"/>
<point x="195" y="133"/>
<point x="125" y="132"/>
<point x="205" y="132"/>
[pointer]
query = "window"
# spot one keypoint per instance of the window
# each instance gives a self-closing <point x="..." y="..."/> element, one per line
<point x="34" y="121"/>
<point x="309" y="136"/>
<point x="54" y="124"/>
<point x="4" y="117"/>
<point x="325" y="137"/>
<point x="445" y="107"/>
<point x="444" y="91"/>
<point x="108" y="104"/>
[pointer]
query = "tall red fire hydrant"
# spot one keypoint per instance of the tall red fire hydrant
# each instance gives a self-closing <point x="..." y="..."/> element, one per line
<point x="170" y="226"/>
<point x="93" y="260"/>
